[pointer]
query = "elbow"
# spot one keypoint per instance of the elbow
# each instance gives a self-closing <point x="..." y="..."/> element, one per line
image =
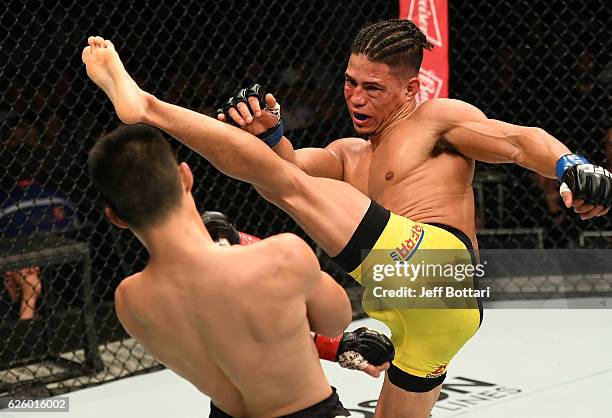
<point x="347" y="316"/>
<point x="343" y="319"/>
<point x="330" y="330"/>
<point x="332" y="326"/>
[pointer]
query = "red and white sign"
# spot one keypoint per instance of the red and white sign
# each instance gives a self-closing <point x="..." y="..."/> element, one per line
<point x="431" y="16"/>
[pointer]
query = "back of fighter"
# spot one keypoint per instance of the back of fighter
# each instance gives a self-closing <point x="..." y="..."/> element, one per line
<point x="233" y="322"/>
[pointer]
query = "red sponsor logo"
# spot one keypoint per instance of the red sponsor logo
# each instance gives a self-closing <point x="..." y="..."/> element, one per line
<point x="431" y="85"/>
<point x="431" y="16"/>
<point x="405" y="249"/>
<point x="424" y="14"/>
<point x="438" y="372"/>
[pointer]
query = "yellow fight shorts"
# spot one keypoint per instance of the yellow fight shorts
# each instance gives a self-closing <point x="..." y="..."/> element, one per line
<point x="421" y="281"/>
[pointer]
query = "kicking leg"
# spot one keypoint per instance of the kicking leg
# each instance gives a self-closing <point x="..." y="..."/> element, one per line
<point x="396" y="402"/>
<point x="328" y="210"/>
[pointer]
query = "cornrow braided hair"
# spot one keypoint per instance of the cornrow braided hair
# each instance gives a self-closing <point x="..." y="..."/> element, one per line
<point x="394" y="42"/>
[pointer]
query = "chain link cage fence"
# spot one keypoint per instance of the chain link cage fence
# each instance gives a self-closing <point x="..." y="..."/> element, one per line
<point x="531" y="63"/>
<point x="544" y="64"/>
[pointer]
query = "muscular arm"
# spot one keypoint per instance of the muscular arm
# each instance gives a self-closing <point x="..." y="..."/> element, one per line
<point x="328" y="307"/>
<point x="317" y="162"/>
<point x="471" y="133"/>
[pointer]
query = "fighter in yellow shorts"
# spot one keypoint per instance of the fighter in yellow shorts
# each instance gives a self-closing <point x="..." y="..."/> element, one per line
<point x="418" y="162"/>
<point x="407" y="260"/>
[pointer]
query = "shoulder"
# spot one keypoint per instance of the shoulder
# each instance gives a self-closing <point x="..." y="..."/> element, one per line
<point x="292" y="256"/>
<point x="288" y="245"/>
<point x="125" y="288"/>
<point x="448" y="111"/>
<point x="124" y="300"/>
<point x="347" y="143"/>
<point x="344" y="146"/>
<point x="129" y="293"/>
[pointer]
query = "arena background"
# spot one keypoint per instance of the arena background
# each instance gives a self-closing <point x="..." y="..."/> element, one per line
<point x="535" y="63"/>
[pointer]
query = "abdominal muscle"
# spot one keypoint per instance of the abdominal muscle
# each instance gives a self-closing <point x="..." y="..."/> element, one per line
<point x="436" y="204"/>
<point x="433" y="190"/>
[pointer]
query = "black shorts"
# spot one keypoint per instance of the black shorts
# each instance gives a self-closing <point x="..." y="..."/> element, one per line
<point x="330" y="407"/>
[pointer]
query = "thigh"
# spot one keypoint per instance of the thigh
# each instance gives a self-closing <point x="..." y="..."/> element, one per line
<point x="329" y="211"/>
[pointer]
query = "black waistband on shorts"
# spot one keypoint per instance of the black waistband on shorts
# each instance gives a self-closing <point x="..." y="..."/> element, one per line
<point x="363" y="239"/>
<point x="460" y="235"/>
<point x="328" y="407"/>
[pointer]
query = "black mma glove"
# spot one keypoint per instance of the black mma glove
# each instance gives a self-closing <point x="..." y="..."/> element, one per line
<point x="220" y="228"/>
<point x="586" y="181"/>
<point x="356" y="349"/>
<point x="273" y="135"/>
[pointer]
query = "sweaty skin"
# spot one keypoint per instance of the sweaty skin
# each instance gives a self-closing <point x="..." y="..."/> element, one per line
<point x="249" y="356"/>
<point x="403" y="177"/>
<point x="418" y="161"/>
<point x="328" y="210"/>
<point x="234" y="321"/>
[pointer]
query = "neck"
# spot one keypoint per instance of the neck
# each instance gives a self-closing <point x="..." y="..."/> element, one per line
<point x="399" y="115"/>
<point x="183" y="232"/>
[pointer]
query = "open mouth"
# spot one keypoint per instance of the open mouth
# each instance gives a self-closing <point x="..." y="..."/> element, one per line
<point x="360" y="116"/>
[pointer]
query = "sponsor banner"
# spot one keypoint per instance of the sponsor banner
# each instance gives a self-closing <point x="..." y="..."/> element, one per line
<point x="431" y="16"/>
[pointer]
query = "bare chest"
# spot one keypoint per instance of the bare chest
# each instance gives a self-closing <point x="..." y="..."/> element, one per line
<point x="373" y="171"/>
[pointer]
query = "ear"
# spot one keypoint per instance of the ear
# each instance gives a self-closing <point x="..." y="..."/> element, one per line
<point x="186" y="177"/>
<point x="114" y="218"/>
<point x="412" y="87"/>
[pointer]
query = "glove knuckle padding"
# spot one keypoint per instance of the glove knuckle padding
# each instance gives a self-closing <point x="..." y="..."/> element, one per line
<point x="242" y="96"/>
<point x="218" y="227"/>
<point x="257" y="91"/>
<point x="593" y="184"/>
<point x="374" y="346"/>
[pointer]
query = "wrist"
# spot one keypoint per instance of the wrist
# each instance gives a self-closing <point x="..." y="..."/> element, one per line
<point x="327" y="347"/>
<point x="566" y="162"/>
<point x="273" y="135"/>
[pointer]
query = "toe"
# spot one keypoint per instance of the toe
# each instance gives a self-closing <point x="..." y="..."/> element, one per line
<point x="86" y="52"/>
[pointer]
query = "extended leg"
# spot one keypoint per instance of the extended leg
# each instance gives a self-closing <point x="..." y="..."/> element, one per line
<point x="328" y="210"/>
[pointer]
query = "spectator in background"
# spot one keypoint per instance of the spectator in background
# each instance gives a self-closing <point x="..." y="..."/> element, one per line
<point x="24" y="287"/>
<point x="28" y="206"/>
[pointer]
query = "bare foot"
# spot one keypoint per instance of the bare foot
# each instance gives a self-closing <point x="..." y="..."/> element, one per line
<point x="105" y="68"/>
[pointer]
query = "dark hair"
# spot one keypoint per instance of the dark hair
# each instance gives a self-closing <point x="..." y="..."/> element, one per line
<point x="136" y="172"/>
<point x="396" y="42"/>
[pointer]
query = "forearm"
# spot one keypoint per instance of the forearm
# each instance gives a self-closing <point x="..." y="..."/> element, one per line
<point x="539" y="151"/>
<point x="316" y="162"/>
<point x="284" y="149"/>
<point x="234" y="152"/>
